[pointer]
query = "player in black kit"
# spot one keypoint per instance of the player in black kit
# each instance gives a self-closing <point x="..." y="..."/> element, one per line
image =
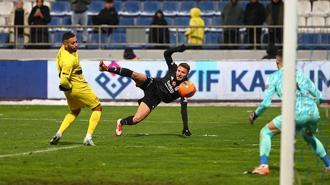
<point x="156" y="90"/>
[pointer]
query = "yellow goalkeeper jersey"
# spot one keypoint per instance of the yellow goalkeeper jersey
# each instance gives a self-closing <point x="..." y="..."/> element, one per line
<point x="69" y="69"/>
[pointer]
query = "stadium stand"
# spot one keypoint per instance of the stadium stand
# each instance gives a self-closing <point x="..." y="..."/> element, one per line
<point x="125" y="20"/>
<point x="118" y="5"/>
<point x="55" y="37"/>
<point x="150" y="7"/>
<point x="3" y="22"/>
<point x="117" y="38"/>
<point x="169" y="21"/>
<point x="301" y="21"/>
<point x="5" y="8"/>
<point x="327" y="23"/>
<point x="46" y="3"/>
<point x="142" y="20"/>
<point x="66" y="20"/>
<point x="60" y="8"/>
<point x="4" y="38"/>
<point x="216" y="20"/>
<point x="181" y="20"/>
<point x="170" y="8"/>
<point x="177" y="36"/>
<point x="304" y="8"/>
<point x="56" y="21"/>
<point x="321" y="8"/>
<point x="212" y="37"/>
<point x="95" y="7"/>
<point x="185" y="7"/>
<point x="208" y="7"/>
<point x="314" y="19"/>
<point x="132" y="8"/>
<point x="243" y="4"/>
<point x="28" y="5"/>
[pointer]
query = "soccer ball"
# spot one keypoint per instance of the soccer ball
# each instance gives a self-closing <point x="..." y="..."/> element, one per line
<point x="187" y="89"/>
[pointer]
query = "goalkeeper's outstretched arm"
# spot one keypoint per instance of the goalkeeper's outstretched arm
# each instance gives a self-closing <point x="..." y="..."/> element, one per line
<point x="268" y="95"/>
<point x="168" y="54"/>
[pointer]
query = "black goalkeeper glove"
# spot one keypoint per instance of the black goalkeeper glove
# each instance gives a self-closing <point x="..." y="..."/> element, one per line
<point x="181" y="48"/>
<point x="186" y="132"/>
<point x="63" y="88"/>
<point x="253" y="116"/>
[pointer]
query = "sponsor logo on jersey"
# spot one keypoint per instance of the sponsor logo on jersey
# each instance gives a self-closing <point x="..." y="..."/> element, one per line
<point x="173" y="83"/>
<point x="169" y="87"/>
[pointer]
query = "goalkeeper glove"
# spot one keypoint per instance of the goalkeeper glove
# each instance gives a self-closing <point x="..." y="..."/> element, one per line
<point x="181" y="48"/>
<point x="186" y="132"/>
<point x="253" y="116"/>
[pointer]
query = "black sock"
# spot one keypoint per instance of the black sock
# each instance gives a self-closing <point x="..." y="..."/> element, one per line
<point x="127" y="121"/>
<point x="121" y="71"/>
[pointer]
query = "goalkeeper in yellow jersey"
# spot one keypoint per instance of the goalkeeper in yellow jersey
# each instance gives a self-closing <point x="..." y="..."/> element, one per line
<point x="75" y="88"/>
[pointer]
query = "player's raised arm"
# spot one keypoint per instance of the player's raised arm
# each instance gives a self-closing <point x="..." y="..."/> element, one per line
<point x="168" y="54"/>
<point x="269" y="93"/>
<point x="184" y="115"/>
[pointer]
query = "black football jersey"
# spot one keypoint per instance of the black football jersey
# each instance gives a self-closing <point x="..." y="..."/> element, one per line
<point x="167" y="87"/>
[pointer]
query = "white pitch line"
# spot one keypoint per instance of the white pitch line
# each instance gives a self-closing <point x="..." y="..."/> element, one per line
<point x="39" y="151"/>
<point x="208" y="135"/>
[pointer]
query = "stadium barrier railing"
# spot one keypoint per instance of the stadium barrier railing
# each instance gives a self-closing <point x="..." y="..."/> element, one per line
<point x="216" y="37"/>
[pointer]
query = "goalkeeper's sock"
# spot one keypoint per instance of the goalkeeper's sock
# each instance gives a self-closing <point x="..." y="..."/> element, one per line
<point x="68" y="119"/>
<point x="264" y="160"/>
<point x="88" y="136"/>
<point x="121" y="71"/>
<point x="265" y="144"/>
<point x="127" y="121"/>
<point x="58" y="134"/>
<point x="93" y="121"/>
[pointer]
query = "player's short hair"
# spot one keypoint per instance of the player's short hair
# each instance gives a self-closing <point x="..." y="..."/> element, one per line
<point x="279" y="53"/>
<point x="67" y="35"/>
<point x="185" y="65"/>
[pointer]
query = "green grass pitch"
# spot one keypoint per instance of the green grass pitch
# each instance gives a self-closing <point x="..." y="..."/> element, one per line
<point x="222" y="147"/>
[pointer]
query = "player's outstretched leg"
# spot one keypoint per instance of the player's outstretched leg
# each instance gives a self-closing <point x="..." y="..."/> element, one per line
<point x="266" y="134"/>
<point x="68" y="119"/>
<point x="117" y="70"/>
<point x="142" y="112"/>
<point x="93" y="122"/>
<point x="318" y="148"/>
<point x="139" y="78"/>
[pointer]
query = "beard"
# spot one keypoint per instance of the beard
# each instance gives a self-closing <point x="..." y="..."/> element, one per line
<point x="72" y="50"/>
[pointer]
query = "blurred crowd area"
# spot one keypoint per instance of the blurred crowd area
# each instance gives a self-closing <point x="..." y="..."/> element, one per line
<point x="157" y="24"/>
